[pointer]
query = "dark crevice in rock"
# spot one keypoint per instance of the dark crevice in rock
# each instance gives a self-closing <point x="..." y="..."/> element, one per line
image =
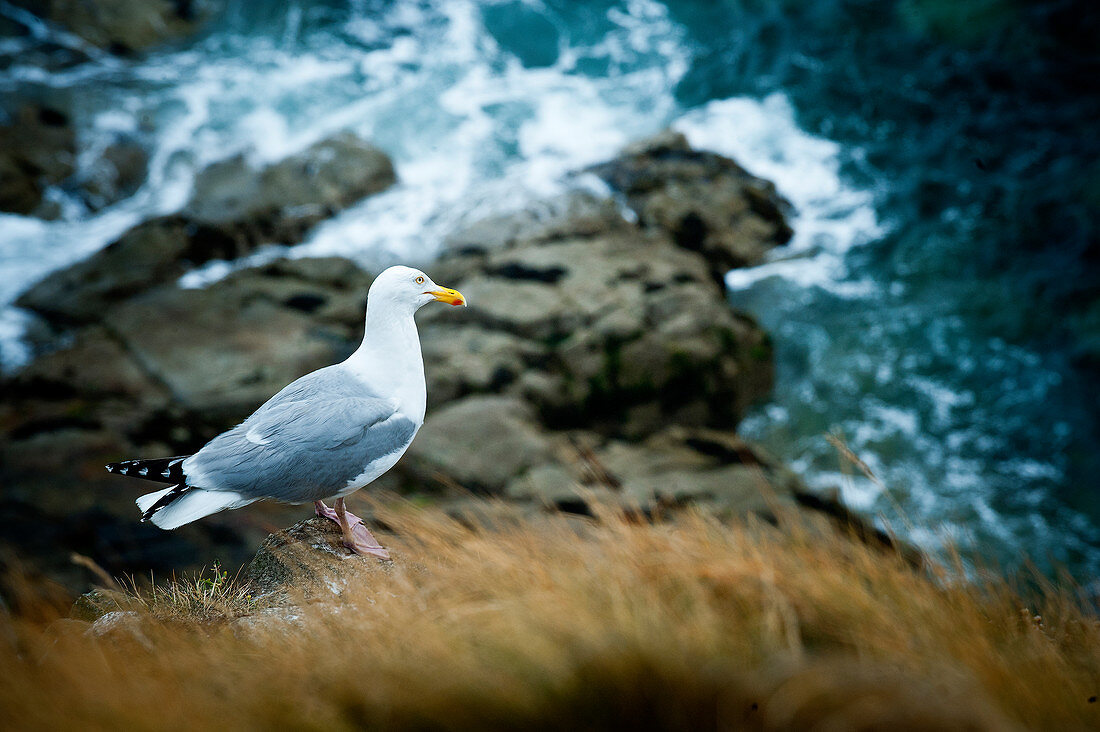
<point x="727" y="448"/>
<point x="501" y="378"/>
<point x="307" y="302"/>
<point x="576" y="506"/>
<point x="858" y="526"/>
<point x="36" y="387"/>
<point x="692" y="232"/>
<point x="205" y="243"/>
<point x="52" y="117"/>
<point x="518" y="271"/>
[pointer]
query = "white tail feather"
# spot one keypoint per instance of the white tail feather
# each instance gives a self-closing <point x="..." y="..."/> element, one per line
<point x="194" y="504"/>
<point x="144" y="503"/>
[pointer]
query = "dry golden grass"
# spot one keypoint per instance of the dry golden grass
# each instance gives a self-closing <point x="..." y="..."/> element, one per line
<point x="551" y="624"/>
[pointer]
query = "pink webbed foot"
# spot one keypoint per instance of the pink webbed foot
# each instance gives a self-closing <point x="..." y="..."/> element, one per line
<point x="356" y="535"/>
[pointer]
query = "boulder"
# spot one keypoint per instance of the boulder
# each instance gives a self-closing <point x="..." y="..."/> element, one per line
<point x="122" y="26"/>
<point x="284" y="199"/>
<point x="116" y="174"/>
<point x="599" y="330"/>
<point x="596" y="331"/>
<point x="152" y="252"/>
<point x="310" y="556"/>
<point x="666" y="472"/>
<point x="478" y="443"/>
<point x="704" y="201"/>
<point x="122" y="627"/>
<point x="575" y="214"/>
<point x="37" y="150"/>
<point x="234" y="209"/>
<point x="223" y="351"/>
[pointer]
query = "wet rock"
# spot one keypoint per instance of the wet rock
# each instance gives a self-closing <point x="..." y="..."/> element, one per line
<point x="37" y="150"/>
<point x="122" y="26"/>
<point x="285" y="198"/>
<point x="621" y="333"/>
<point x="152" y="252"/>
<point x="575" y="214"/>
<point x="116" y="174"/>
<point x="600" y="323"/>
<point x="234" y="210"/>
<point x="704" y="201"/>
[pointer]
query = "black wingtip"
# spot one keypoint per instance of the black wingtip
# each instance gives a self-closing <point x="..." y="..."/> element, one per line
<point x="160" y="470"/>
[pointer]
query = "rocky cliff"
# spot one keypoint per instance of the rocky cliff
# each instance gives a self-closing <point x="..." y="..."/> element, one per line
<point x="598" y="356"/>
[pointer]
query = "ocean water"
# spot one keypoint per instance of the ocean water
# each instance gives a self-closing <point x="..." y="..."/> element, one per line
<point x="881" y="305"/>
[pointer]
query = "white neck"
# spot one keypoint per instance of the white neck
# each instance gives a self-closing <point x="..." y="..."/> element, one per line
<point x="389" y="358"/>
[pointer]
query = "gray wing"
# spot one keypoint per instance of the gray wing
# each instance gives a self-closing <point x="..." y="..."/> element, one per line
<point x="304" y="444"/>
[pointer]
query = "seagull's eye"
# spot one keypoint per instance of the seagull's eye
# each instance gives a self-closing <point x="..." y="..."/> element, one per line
<point x="419" y="280"/>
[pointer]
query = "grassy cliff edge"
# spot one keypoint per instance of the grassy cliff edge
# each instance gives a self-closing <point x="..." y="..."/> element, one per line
<point x="566" y="622"/>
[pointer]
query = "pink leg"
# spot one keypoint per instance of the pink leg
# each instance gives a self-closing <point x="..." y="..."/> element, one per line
<point x="324" y="511"/>
<point x="356" y="536"/>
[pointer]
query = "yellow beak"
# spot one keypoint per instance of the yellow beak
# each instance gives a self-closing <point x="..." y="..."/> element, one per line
<point x="447" y="295"/>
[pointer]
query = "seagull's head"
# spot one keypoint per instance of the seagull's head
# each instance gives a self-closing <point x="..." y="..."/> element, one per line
<point x="407" y="288"/>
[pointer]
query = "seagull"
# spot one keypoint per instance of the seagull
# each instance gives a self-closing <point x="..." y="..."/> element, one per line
<point x="328" y="434"/>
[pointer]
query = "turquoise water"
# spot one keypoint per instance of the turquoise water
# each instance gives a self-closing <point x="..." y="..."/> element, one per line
<point x="937" y="177"/>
